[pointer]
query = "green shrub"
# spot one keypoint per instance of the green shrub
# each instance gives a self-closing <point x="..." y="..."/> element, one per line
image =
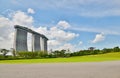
<point x="116" y="49"/>
<point x="37" y="54"/>
<point x="1" y="57"/>
<point x="27" y="54"/>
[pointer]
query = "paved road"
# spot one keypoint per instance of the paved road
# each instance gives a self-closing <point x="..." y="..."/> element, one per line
<point x="61" y="70"/>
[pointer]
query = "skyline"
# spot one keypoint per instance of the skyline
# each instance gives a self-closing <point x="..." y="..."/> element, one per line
<point x="73" y="25"/>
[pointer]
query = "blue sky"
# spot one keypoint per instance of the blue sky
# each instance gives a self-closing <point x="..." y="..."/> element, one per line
<point x="69" y="24"/>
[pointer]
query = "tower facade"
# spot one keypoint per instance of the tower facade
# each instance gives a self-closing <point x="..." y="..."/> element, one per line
<point x="21" y="40"/>
<point x="39" y="41"/>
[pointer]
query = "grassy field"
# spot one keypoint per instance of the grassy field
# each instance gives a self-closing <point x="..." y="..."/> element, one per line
<point x="90" y="58"/>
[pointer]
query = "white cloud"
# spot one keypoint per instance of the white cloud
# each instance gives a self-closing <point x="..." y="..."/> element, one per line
<point x="63" y="24"/>
<point x="107" y="31"/>
<point x="62" y="35"/>
<point x="53" y="43"/>
<point x="7" y="27"/>
<point x="80" y="43"/>
<point x="21" y="18"/>
<point x="1" y="39"/>
<point x="57" y="35"/>
<point x="67" y="46"/>
<point x="5" y="33"/>
<point x="4" y="22"/>
<point x="43" y="30"/>
<point x="99" y="37"/>
<point x="87" y="8"/>
<point x="101" y="13"/>
<point x="31" y="11"/>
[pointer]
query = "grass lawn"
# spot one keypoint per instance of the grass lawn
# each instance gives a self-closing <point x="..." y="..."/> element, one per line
<point x="90" y="58"/>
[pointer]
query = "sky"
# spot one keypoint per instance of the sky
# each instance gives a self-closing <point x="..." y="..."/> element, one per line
<point x="68" y="24"/>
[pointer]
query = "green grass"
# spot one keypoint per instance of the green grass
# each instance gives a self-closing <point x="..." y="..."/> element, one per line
<point x="90" y="58"/>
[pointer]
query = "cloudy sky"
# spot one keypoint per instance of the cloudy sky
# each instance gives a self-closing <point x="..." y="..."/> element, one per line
<point x="69" y="24"/>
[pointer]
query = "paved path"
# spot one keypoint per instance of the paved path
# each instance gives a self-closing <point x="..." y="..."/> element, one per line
<point x="61" y="70"/>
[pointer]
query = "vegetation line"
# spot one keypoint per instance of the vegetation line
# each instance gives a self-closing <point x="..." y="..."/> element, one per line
<point x="91" y="55"/>
<point x="90" y="58"/>
<point x="55" y="54"/>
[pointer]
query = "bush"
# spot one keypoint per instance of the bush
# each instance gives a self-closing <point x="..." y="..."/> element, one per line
<point x="37" y="54"/>
<point x="1" y="57"/>
<point x="116" y="49"/>
<point x="27" y="54"/>
<point x="57" y="53"/>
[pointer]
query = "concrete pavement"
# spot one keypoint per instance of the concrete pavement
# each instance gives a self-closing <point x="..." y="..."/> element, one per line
<point x="61" y="70"/>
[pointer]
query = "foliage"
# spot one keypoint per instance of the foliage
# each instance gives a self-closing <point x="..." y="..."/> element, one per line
<point x="116" y="49"/>
<point x="27" y="54"/>
<point x="89" y="58"/>
<point x="91" y="48"/>
<point x="57" y="53"/>
<point x="37" y="54"/>
<point x="13" y="52"/>
<point x="4" y="52"/>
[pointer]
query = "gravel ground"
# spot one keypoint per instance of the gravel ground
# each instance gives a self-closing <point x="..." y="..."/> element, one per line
<point x="61" y="70"/>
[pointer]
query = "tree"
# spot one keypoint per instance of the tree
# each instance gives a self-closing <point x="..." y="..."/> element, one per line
<point x="58" y="53"/>
<point x="13" y="52"/>
<point x="91" y="48"/>
<point x="4" y="52"/>
<point x="107" y="50"/>
<point x="116" y="49"/>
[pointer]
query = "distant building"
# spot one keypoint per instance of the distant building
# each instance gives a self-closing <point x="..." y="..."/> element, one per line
<point x="39" y="41"/>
